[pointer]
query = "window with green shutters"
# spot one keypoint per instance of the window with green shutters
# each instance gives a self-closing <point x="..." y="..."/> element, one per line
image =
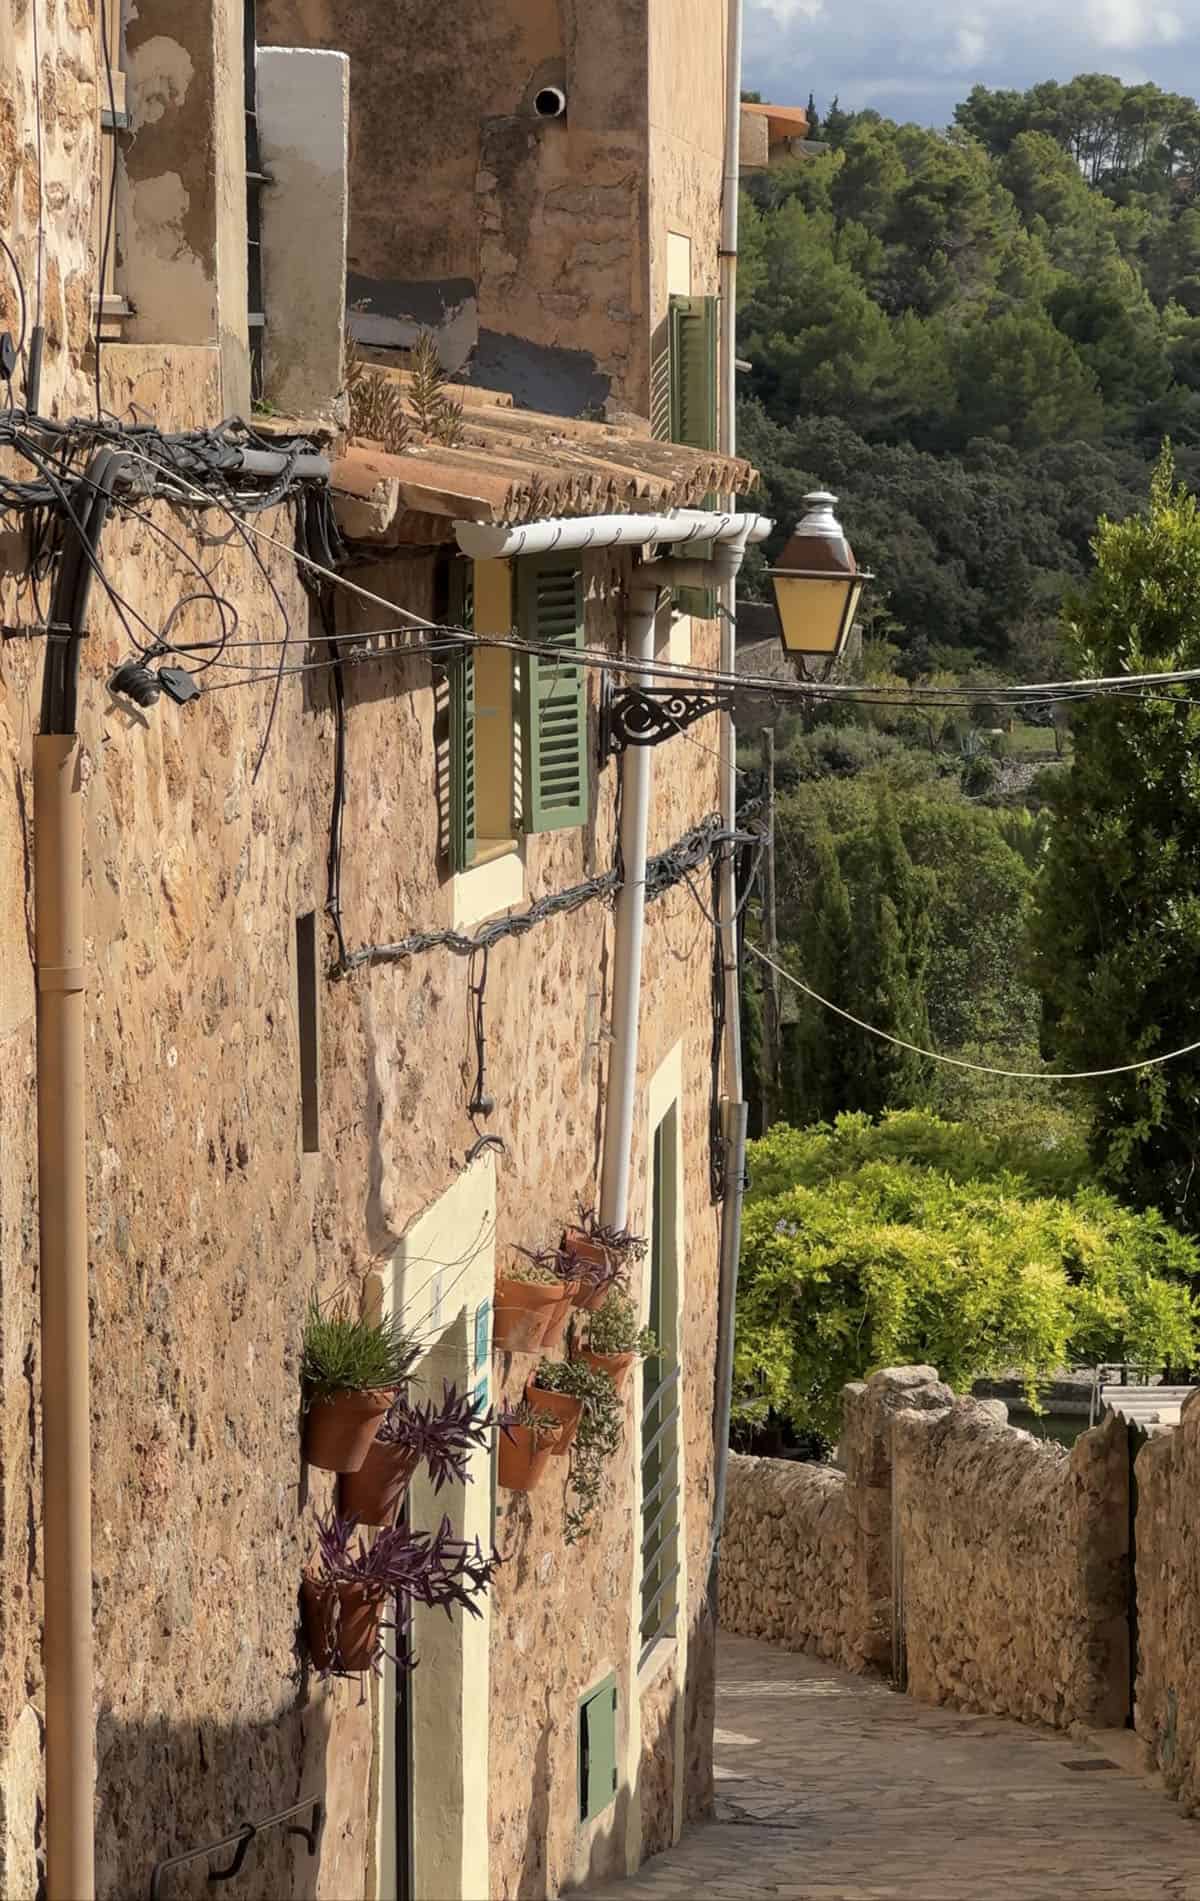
<point x="554" y="760"/>
<point x="683" y="404"/>
<point x="461" y="609"/>
<point x="597" y="1749"/>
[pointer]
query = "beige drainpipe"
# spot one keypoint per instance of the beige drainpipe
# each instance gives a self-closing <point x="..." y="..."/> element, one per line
<point x="62" y="1218"/>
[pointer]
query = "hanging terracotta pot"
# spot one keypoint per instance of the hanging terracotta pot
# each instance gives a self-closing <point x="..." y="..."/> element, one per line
<point x="556" y="1325"/>
<point x="338" y="1432"/>
<point x="593" y="1259"/>
<point x="564" y="1407"/>
<point x="616" y="1365"/>
<point x="521" y="1458"/>
<point x="523" y="1311"/>
<point x="373" y="1493"/>
<point x="341" y="1624"/>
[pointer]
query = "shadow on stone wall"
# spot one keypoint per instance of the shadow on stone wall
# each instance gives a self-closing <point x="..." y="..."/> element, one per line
<point x="163" y="1788"/>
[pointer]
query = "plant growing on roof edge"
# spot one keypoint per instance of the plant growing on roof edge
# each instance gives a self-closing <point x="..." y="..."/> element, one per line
<point x="599" y="1435"/>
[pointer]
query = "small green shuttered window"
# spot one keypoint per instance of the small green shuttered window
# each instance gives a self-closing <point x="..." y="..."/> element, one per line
<point x="684" y="404"/>
<point x="461" y="608"/>
<point x="597" y="1749"/>
<point x="554" y="762"/>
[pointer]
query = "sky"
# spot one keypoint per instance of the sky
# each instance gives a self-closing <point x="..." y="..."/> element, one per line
<point x="917" y="61"/>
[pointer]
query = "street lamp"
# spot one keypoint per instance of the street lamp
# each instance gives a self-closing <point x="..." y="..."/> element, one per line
<point x="818" y="583"/>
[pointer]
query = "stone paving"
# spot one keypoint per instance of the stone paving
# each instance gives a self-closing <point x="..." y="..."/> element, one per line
<point x="830" y="1785"/>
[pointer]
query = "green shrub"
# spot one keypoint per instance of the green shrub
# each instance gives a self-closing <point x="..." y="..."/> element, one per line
<point x="345" y="1352"/>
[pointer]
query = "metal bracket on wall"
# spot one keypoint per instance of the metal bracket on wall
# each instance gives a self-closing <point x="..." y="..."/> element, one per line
<point x="646" y="715"/>
<point x="240" y="1842"/>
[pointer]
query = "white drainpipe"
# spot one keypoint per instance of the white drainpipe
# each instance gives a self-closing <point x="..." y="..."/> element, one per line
<point x="643" y="598"/>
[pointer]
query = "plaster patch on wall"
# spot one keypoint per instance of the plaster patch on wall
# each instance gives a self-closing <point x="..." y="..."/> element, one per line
<point x="160" y="71"/>
<point x="394" y="314"/>
<point x="539" y="376"/>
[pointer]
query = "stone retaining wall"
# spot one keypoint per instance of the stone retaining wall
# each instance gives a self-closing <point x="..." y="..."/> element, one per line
<point x="1167" y="1472"/>
<point x="1015" y="1561"/>
<point x="786" y="1556"/>
<point x="992" y="1565"/>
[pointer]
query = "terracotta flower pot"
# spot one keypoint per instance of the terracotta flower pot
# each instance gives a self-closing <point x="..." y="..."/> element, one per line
<point x="521" y="1459"/>
<point x="338" y="1432"/>
<point x="616" y="1365"/>
<point x="593" y="1259"/>
<point x="564" y="1407"/>
<point x="556" y="1325"/>
<point x="341" y="1624"/>
<point x="523" y="1311"/>
<point x="372" y="1494"/>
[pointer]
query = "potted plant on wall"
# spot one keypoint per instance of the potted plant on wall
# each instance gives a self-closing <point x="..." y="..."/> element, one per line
<point x="527" y="1437"/>
<point x="605" y="1256"/>
<point x="615" y="1340"/>
<point x="441" y="1433"/>
<point x="350" y="1370"/>
<point x="598" y="1436"/>
<point x="348" y="1589"/>
<point x="533" y="1300"/>
<point x="566" y="1408"/>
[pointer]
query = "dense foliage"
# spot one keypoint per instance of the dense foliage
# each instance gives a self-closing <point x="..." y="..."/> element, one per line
<point x="887" y="1261"/>
<point x="1117" y="927"/>
<point x="979" y="338"/>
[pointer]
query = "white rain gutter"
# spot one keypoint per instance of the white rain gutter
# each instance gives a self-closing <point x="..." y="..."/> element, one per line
<point x="734" y="1106"/>
<point x="485" y="541"/>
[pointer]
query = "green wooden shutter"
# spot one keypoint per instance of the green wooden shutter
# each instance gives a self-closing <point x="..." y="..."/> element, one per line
<point x="694" y="371"/>
<point x="694" y="336"/>
<point x="554" y="766"/>
<point x="597" y="1749"/>
<point x="462" y="723"/>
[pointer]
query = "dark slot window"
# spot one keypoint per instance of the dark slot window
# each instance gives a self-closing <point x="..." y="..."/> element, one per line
<point x="310" y="1044"/>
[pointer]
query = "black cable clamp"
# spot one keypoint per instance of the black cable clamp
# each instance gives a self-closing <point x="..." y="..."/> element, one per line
<point x="240" y="1842"/>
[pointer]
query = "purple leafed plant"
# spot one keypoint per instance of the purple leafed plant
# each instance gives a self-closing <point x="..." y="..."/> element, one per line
<point x="443" y="1435"/>
<point x="622" y="1241"/>
<point x="418" y="1567"/>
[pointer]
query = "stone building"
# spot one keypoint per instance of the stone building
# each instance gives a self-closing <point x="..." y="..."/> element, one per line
<point x="312" y="1060"/>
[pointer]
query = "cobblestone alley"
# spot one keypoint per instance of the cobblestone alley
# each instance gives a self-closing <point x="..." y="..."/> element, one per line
<point x="830" y="1785"/>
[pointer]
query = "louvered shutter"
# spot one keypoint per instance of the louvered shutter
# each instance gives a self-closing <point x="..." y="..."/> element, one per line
<point x="693" y="348"/>
<point x="462" y="724"/>
<point x="554" y="766"/>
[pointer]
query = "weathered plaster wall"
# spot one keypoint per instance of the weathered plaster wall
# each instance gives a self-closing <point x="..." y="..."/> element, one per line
<point x="686" y="139"/>
<point x="787" y="1557"/>
<point x="522" y="238"/>
<point x="181" y="216"/>
<point x="1015" y="1566"/>
<point x="1168" y="1590"/>
<point x="210" y="1228"/>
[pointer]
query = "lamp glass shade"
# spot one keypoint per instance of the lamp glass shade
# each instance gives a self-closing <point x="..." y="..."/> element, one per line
<point x="816" y="611"/>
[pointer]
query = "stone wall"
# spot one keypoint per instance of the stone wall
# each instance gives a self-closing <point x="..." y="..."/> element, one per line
<point x="1015" y="1559"/>
<point x="992" y="1565"/>
<point x="1167" y="1473"/>
<point x="787" y="1571"/>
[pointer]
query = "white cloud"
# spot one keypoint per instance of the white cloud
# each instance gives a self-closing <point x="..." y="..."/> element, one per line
<point x="875" y="53"/>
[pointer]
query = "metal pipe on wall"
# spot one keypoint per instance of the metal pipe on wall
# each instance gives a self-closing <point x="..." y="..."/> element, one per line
<point x="66" y="1410"/>
<point x="630" y="918"/>
<point x="735" y="1108"/>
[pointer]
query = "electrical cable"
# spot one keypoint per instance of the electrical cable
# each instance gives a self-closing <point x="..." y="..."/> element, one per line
<point x="960" y="1062"/>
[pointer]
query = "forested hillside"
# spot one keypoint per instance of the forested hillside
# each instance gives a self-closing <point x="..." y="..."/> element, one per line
<point x="979" y="338"/>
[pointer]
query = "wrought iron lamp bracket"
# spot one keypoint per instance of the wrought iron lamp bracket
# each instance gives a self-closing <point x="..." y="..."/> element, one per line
<point x="646" y="715"/>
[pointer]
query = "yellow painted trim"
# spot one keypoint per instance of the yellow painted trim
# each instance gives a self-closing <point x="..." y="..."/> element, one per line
<point x="488" y="888"/>
<point x="679" y="264"/>
<point x="450" y="1695"/>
